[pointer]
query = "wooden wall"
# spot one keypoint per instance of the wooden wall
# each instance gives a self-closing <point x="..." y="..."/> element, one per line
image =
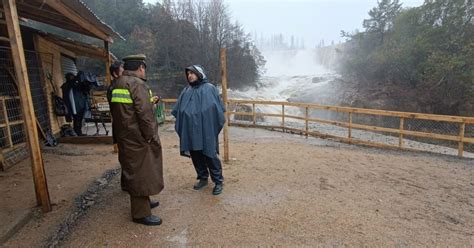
<point x="50" y="58"/>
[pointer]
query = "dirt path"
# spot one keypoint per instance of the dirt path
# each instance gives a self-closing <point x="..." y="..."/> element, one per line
<point x="70" y="169"/>
<point x="285" y="190"/>
<point x="297" y="192"/>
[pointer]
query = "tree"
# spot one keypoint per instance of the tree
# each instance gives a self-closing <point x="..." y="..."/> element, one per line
<point x="175" y="34"/>
<point x="425" y="50"/>
<point x="382" y="17"/>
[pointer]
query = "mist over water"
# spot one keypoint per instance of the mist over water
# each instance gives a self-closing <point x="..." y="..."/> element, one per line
<point x="292" y="63"/>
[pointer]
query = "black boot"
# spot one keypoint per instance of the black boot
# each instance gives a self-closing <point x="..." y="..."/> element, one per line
<point x="149" y="221"/>
<point x="201" y="184"/>
<point x="217" y="189"/>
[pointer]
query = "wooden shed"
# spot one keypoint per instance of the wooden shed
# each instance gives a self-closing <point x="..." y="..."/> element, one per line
<point x="32" y="66"/>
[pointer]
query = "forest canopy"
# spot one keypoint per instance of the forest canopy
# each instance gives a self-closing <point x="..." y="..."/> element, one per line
<point x="176" y="34"/>
<point x="428" y="50"/>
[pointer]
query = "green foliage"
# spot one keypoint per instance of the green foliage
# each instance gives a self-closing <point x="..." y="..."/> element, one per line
<point x="176" y="34"/>
<point x="428" y="49"/>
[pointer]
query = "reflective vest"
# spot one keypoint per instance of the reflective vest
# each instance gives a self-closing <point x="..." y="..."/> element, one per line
<point x="123" y="96"/>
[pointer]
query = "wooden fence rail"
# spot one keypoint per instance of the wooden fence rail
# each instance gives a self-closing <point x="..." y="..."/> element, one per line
<point x="460" y="121"/>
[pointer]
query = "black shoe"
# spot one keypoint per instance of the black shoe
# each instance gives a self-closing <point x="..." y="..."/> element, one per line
<point x="149" y="221"/>
<point x="201" y="184"/>
<point x="154" y="204"/>
<point x="217" y="189"/>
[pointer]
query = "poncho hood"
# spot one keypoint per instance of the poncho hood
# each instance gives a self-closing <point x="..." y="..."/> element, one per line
<point x="198" y="70"/>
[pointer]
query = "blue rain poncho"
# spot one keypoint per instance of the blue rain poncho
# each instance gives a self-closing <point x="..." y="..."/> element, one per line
<point x="199" y="114"/>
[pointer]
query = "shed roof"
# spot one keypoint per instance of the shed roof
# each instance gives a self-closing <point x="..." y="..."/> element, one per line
<point x="72" y="15"/>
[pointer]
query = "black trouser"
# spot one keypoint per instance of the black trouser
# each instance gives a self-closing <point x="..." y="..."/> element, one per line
<point x="204" y="164"/>
<point x="77" y="123"/>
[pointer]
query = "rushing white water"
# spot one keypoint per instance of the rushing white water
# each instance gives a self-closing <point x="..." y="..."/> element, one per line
<point x="291" y="75"/>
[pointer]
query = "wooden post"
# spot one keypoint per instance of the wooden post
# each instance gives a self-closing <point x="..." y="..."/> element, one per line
<point x="306" y="116"/>
<point x="402" y="126"/>
<point x="39" y="176"/>
<point x="108" y="77"/>
<point x="254" y="116"/>
<point x="226" y="103"/>
<point x="462" y="129"/>
<point x="350" y="127"/>
<point x="283" y="117"/>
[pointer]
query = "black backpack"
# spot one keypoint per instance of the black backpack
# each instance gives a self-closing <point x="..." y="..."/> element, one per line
<point x="60" y="108"/>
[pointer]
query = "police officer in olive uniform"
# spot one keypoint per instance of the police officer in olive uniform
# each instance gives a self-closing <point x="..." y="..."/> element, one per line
<point x="136" y="133"/>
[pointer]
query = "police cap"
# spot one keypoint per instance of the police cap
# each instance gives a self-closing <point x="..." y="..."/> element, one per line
<point x="133" y="60"/>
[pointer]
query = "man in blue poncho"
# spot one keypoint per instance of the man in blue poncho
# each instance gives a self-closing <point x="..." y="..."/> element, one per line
<point x="199" y="114"/>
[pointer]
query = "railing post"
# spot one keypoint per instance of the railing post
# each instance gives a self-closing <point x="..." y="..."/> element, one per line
<point x="254" y="117"/>
<point x="226" y="103"/>
<point x="108" y="77"/>
<point x="350" y="127"/>
<point x="400" y="137"/>
<point x="306" y="121"/>
<point x="283" y="117"/>
<point x="461" y="137"/>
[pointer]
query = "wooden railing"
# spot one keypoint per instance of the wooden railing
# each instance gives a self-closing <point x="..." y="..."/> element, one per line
<point x="461" y="123"/>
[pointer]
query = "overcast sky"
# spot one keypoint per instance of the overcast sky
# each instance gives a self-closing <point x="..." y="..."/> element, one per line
<point x="311" y="20"/>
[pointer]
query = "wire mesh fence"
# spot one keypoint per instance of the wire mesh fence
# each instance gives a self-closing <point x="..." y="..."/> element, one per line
<point x="38" y="87"/>
<point x="12" y="131"/>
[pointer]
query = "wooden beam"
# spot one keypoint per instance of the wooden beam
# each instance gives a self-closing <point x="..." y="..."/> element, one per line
<point x="37" y="165"/>
<point x="462" y="129"/>
<point x="402" y="127"/>
<point x="254" y="117"/>
<point x="283" y="117"/>
<point x="224" y="98"/>
<point x="79" y="49"/>
<point x="75" y="17"/>
<point x="349" y="132"/>
<point x="306" y="116"/>
<point x="108" y="77"/>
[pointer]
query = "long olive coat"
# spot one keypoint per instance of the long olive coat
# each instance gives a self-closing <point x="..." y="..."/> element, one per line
<point x="136" y="133"/>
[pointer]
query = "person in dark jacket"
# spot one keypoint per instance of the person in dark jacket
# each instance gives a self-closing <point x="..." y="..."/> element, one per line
<point x="199" y="114"/>
<point x="75" y="96"/>
<point x="116" y="70"/>
<point x="136" y="133"/>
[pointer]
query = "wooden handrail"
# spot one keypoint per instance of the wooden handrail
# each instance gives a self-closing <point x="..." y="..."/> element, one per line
<point x="350" y="125"/>
<point x="447" y="118"/>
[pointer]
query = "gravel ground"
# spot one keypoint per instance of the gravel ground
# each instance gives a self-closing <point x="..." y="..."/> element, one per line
<point x="285" y="190"/>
